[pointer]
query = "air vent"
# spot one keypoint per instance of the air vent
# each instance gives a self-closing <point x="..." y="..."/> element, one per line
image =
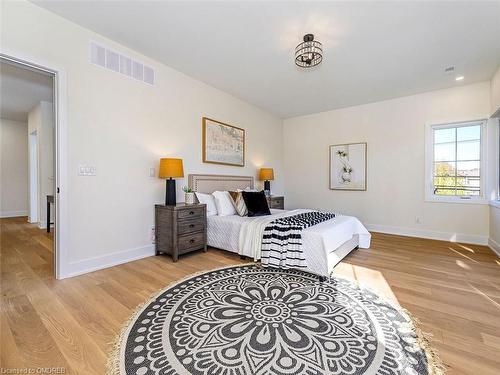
<point x="137" y="70"/>
<point x="112" y="61"/>
<point x="126" y="65"/>
<point x="97" y="55"/>
<point x="116" y="62"/>
<point x="149" y="75"/>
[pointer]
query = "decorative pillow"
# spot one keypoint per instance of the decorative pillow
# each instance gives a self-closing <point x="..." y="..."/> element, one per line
<point x="224" y="203"/>
<point x="209" y="200"/>
<point x="239" y="203"/>
<point x="256" y="203"/>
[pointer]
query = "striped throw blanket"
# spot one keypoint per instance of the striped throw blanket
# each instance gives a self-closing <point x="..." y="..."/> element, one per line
<point x="282" y="239"/>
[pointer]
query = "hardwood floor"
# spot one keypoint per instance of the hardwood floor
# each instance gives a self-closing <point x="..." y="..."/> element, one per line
<point x="453" y="289"/>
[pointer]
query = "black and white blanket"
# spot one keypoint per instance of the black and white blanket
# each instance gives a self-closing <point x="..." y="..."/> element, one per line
<point x="282" y="239"/>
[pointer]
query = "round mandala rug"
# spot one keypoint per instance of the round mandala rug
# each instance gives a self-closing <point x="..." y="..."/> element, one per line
<point x="249" y="320"/>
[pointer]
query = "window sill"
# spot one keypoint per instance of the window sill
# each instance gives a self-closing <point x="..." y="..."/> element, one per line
<point x="482" y="201"/>
<point x="495" y="203"/>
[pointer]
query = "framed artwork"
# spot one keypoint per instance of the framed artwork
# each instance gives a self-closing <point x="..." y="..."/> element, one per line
<point x="348" y="166"/>
<point x="223" y="143"/>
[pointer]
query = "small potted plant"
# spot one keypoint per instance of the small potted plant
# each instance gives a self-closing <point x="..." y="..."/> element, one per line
<point x="189" y="196"/>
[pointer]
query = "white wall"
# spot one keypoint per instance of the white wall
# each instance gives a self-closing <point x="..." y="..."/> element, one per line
<point x="13" y="168"/>
<point x="123" y="127"/>
<point x="41" y="121"/>
<point x="494" y="240"/>
<point x="394" y="131"/>
<point x="495" y="208"/>
<point x="495" y="92"/>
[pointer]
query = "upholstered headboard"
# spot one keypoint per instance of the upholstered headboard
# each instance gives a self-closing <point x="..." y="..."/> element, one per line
<point x="208" y="183"/>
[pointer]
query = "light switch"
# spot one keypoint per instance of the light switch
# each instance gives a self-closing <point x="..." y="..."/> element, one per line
<point x="152" y="172"/>
<point x="86" y="170"/>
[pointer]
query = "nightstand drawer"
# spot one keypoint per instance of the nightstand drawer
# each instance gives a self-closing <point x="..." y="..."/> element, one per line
<point x="191" y="213"/>
<point x="190" y="226"/>
<point x="277" y="203"/>
<point x="188" y="242"/>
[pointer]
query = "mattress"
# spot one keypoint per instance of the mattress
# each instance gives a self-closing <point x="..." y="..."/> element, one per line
<point x="223" y="233"/>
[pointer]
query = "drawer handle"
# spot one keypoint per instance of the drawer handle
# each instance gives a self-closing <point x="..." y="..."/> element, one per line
<point x="191" y="240"/>
<point x="191" y="225"/>
<point x="191" y="212"/>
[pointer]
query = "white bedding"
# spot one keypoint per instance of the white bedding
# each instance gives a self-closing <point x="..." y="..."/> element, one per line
<point x="243" y="235"/>
<point x="223" y="232"/>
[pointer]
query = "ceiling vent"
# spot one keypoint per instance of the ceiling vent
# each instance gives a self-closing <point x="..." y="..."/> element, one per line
<point x="116" y="62"/>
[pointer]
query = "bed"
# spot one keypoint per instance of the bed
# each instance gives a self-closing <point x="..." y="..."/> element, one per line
<point x="324" y="245"/>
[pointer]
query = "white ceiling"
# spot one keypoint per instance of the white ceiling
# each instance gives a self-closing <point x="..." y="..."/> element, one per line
<point x="373" y="50"/>
<point x="20" y="90"/>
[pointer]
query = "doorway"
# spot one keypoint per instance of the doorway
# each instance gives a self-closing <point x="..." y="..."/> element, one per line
<point x="43" y="151"/>
<point x="33" y="178"/>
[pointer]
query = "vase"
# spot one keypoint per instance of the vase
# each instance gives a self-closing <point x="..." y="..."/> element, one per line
<point x="190" y="198"/>
<point x="346" y="177"/>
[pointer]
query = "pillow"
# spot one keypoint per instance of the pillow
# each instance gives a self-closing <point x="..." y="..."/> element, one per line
<point x="224" y="203"/>
<point x="239" y="203"/>
<point x="256" y="203"/>
<point x="209" y="200"/>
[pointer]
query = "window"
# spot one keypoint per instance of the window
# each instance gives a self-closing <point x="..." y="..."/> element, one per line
<point x="455" y="163"/>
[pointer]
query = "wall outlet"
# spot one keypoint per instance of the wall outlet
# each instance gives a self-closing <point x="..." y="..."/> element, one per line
<point x="152" y="235"/>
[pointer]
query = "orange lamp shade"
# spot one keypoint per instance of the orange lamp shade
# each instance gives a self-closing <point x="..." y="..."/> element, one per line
<point x="170" y="167"/>
<point x="266" y="174"/>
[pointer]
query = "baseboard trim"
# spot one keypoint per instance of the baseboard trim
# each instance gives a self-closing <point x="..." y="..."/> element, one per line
<point x="120" y="257"/>
<point x="495" y="246"/>
<point x="4" y="214"/>
<point x="433" y="235"/>
<point x="109" y="260"/>
<point x="43" y="225"/>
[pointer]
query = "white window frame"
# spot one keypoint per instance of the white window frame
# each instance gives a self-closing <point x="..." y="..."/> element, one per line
<point x="497" y="161"/>
<point x="496" y="174"/>
<point x="429" y="164"/>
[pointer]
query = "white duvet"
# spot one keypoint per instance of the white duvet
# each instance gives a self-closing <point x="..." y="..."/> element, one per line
<point x="244" y="236"/>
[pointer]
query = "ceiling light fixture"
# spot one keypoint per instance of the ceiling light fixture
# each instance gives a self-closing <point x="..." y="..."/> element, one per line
<point x="449" y="69"/>
<point x="309" y="53"/>
<point x="459" y="78"/>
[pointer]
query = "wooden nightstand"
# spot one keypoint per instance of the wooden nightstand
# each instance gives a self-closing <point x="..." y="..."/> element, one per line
<point x="277" y="202"/>
<point x="180" y="229"/>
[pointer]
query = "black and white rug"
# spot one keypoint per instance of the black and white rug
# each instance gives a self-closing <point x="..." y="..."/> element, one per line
<point x="249" y="320"/>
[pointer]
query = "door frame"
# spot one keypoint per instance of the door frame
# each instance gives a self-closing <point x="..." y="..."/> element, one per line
<point x="34" y="196"/>
<point x="61" y="264"/>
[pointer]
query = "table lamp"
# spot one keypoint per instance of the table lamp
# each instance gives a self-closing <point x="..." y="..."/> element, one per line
<point x="170" y="168"/>
<point x="266" y="175"/>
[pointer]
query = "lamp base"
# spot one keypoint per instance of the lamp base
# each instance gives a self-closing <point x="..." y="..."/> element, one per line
<point x="170" y="195"/>
<point x="267" y="188"/>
